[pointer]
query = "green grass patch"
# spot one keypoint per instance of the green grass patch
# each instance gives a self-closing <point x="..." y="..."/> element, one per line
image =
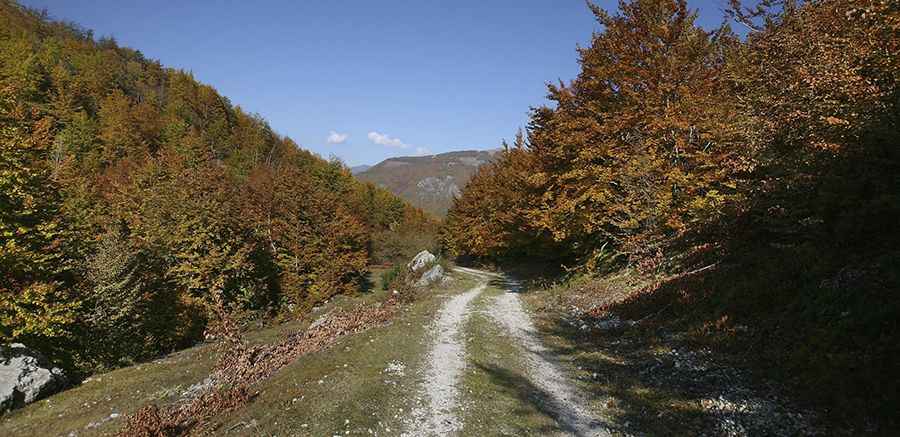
<point x="360" y="388"/>
<point x="354" y="388"/>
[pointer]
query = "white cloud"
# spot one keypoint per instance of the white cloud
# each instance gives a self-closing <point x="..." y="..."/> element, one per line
<point x="385" y="140"/>
<point x="423" y="151"/>
<point x="336" y="138"/>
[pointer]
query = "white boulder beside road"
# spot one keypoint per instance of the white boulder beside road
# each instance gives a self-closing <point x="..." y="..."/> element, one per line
<point x="433" y="275"/>
<point x="26" y="376"/>
<point x="421" y="260"/>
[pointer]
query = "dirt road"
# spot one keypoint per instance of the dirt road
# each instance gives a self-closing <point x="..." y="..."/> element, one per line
<point x="526" y="389"/>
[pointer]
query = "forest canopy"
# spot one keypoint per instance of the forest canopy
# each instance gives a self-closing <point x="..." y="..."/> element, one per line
<point x="670" y="129"/>
<point x="140" y="206"/>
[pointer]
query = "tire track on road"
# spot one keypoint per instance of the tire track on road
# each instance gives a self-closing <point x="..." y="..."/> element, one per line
<point x="446" y="362"/>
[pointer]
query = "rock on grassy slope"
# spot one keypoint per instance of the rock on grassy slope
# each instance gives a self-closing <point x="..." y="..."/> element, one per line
<point x="26" y="376"/>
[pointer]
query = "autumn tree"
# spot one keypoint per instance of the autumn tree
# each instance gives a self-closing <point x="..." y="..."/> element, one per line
<point x="319" y="248"/>
<point x="35" y="304"/>
<point x="495" y="217"/>
<point x="639" y="146"/>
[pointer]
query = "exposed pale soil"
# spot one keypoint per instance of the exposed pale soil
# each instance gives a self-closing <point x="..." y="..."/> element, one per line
<point x="446" y="362"/>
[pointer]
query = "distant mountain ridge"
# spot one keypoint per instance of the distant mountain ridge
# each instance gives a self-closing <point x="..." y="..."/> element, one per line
<point x="356" y="169"/>
<point x="429" y="182"/>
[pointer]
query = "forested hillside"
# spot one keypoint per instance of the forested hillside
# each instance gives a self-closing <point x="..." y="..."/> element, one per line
<point x="746" y="189"/>
<point x="429" y="182"/>
<point x="139" y="207"/>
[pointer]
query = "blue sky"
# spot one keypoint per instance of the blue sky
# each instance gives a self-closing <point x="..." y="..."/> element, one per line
<point x="376" y="78"/>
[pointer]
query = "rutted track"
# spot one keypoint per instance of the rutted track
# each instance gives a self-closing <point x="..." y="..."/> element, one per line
<point x="567" y="405"/>
<point x="446" y="362"/>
